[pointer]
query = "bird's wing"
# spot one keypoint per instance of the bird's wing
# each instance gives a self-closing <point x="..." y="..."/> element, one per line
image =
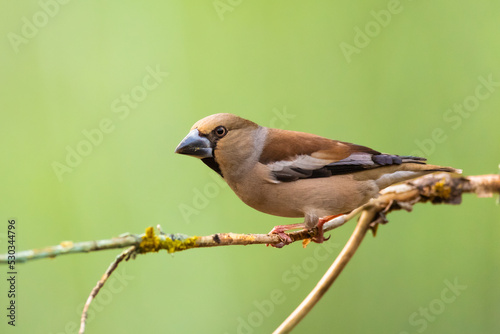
<point x="290" y="156"/>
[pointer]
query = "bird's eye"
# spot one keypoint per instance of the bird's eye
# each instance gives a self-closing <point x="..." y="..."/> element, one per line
<point x="220" y="131"/>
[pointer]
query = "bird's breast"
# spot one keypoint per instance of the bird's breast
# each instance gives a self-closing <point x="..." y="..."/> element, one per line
<point x="319" y="196"/>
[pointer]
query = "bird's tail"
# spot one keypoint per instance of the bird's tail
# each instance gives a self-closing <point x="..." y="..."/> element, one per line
<point x="425" y="166"/>
<point x="411" y="168"/>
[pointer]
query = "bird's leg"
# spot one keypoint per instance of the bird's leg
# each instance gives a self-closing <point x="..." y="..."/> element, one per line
<point x="286" y="240"/>
<point x="321" y="221"/>
<point x="280" y="230"/>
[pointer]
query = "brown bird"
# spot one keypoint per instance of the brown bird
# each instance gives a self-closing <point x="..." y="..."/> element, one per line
<point x="295" y="174"/>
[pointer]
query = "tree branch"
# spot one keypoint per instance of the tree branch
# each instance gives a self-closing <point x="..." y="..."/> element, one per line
<point x="333" y="272"/>
<point x="436" y="188"/>
<point x="125" y="255"/>
<point x="150" y="242"/>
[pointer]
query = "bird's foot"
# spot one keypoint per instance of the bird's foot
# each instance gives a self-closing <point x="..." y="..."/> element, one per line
<point x="320" y="238"/>
<point x="285" y="238"/>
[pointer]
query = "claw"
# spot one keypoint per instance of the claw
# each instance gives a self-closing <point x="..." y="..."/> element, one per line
<point x="320" y="238"/>
<point x="285" y="238"/>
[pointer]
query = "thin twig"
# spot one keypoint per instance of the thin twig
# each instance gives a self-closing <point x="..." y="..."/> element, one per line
<point x="332" y="273"/>
<point x="68" y="247"/>
<point x="125" y="255"/>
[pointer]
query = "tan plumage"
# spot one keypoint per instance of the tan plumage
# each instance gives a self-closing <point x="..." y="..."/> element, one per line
<point x="296" y="174"/>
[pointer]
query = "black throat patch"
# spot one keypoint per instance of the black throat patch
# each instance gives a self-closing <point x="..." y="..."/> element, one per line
<point x="210" y="162"/>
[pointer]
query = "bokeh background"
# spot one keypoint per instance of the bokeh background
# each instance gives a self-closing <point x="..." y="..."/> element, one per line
<point x="390" y="75"/>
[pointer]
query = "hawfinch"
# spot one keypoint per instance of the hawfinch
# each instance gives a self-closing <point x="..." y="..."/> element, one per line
<point x="296" y="174"/>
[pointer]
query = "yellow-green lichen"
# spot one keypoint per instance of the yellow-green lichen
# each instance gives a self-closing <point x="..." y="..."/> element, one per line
<point x="152" y="243"/>
<point x="178" y="245"/>
<point x="441" y="190"/>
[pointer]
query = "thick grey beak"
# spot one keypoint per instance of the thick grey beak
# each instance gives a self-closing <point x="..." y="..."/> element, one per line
<point x="195" y="145"/>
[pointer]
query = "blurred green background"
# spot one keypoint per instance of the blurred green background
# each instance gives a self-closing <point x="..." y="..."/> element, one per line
<point x="409" y="77"/>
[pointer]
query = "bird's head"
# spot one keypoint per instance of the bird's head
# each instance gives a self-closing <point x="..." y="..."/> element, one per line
<point x="217" y="133"/>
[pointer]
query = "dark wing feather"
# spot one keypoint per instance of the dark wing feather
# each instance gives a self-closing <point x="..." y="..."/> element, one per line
<point x="293" y="155"/>
<point x="288" y="171"/>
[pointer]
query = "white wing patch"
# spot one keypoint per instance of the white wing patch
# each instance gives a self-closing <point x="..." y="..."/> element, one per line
<point x="301" y="161"/>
